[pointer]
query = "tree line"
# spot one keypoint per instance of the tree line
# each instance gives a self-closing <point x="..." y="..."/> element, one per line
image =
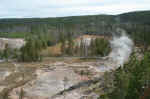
<point x="96" y="46"/>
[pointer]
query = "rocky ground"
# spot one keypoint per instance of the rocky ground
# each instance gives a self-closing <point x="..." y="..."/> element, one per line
<point x="61" y="78"/>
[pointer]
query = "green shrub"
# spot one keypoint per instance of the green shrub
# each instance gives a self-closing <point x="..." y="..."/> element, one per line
<point x="100" y="46"/>
<point x="133" y="80"/>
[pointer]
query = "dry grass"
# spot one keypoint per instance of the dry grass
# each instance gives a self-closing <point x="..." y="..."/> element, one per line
<point x="52" y="50"/>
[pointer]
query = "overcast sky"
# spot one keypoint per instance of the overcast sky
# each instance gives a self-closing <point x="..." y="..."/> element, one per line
<point x="59" y="8"/>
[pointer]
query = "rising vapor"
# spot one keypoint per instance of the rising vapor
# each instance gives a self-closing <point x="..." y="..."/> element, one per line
<point x="122" y="47"/>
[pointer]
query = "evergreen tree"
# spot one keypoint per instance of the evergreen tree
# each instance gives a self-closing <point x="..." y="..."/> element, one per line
<point x="63" y="43"/>
<point x="31" y="50"/>
<point x="82" y="48"/>
<point x="6" y="52"/>
<point x="133" y="80"/>
<point x="70" y="48"/>
<point x="99" y="46"/>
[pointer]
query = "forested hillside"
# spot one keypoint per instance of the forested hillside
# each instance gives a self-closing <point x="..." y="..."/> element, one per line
<point x="141" y="17"/>
<point x="137" y="24"/>
<point x="79" y="24"/>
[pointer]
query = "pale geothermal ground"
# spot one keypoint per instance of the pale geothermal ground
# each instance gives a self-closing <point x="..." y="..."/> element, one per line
<point x="48" y="79"/>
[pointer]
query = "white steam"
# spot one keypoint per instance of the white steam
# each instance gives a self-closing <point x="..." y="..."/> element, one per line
<point x="121" y="48"/>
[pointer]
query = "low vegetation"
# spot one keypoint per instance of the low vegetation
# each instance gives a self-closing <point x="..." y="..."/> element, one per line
<point x="132" y="81"/>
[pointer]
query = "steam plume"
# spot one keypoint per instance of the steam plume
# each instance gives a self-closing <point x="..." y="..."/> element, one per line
<point x="121" y="47"/>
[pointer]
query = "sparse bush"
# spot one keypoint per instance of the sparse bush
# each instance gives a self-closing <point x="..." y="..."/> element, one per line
<point x="100" y="46"/>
